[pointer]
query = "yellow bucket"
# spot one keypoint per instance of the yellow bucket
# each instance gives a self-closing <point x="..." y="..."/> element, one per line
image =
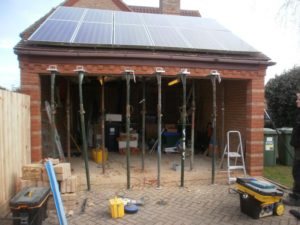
<point x="116" y="207"/>
<point x="97" y="155"/>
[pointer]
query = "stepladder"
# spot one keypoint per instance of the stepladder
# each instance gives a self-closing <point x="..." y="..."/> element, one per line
<point x="234" y="155"/>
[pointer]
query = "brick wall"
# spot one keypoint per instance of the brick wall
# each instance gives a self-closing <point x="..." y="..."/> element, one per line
<point x="255" y="123"/>
<point x="170" y="6"/>
<point x="235" y="106"/>
<point x="30" y="84"/>
<point x="244" y="99"/>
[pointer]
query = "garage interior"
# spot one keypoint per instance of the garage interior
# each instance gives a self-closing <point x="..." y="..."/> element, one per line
<point x="66" y="89"/>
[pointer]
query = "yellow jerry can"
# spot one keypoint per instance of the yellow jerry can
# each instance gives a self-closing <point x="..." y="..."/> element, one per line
<point x="97" y="155"/>
<point x="116" y="207"/>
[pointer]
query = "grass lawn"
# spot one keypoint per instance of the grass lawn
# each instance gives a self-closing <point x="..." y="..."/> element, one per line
<point x="280" y="174"/>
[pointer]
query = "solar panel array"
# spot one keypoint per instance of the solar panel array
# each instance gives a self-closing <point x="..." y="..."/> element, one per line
<point x="104" y="28"/>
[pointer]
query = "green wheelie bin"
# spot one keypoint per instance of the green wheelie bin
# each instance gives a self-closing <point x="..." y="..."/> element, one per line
<point x="270" y="147"/>
<point x="285" y="150"/>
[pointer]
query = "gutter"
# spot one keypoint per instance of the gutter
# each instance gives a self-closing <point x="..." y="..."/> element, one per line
<point x="139" y="56"/>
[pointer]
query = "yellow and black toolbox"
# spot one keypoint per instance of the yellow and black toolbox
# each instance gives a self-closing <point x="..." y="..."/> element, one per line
<point x="259" y="198"/>
<point x="29" y="206"/>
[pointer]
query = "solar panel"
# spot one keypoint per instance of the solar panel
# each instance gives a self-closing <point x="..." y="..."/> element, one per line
<point x="230" y="41"/>
<point x="105" y="28"/>
<point x="194" y="23"/>
<point x="128" y="18"/>
<point x="67" y="13"/>
<point x="55" y="31"/>
<point x="167" y="37"/>
<point x="157" y="20"/>
<point x="131" y="36"/>
<point x="95" y="33"/>
<point x="94" y="15"/>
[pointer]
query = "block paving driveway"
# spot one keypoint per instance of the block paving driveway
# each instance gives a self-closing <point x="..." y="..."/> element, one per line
<point x="197" y="203"/>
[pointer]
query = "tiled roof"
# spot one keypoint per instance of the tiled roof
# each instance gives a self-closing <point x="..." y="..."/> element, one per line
<point x="141" y="9"/>
<point x="184" y="12"/>
<point x="119" y="3"/>
<point x="155" y="10"/>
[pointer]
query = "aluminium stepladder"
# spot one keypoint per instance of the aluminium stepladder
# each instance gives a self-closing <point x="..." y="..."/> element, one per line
<point x="236" y="154"/>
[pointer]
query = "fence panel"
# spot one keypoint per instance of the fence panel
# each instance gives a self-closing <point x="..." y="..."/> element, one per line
<point x="15" y="150"/>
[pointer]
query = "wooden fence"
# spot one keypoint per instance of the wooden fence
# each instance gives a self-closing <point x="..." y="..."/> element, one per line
<point x="14" y="142"/>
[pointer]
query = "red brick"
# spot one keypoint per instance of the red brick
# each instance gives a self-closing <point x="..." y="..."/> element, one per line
<point x="36" y="155"/>
<point x="35" y="140"/>
<point x="255" y="136"/>
<point x="255" y="170"/>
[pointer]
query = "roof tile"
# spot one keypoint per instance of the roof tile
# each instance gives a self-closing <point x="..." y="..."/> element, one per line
<point x="155" y="10"/>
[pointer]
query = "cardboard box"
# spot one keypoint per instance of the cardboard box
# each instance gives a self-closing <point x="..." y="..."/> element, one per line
<point x="113" y="117"/>
<point x="132" y="144"/>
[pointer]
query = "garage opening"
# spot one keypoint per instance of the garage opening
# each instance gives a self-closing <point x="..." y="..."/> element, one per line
<point x="115" y="122"/>
<point x="115" y="110"/>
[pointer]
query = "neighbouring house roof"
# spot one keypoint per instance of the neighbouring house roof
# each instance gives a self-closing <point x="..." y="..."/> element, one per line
<point x="104" y="4"/>
<point x="143" y="9"/>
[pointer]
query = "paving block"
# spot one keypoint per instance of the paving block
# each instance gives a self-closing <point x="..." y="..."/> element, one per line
<point x="50" y="204"/>
<point x="21" y="184"/>
<point x="32" y="171"/>
<point x="42" y="183"/>
<point x="62" y="168"/>
<point x="62" y="171"/>
<point x="69" y="201"/>
<point x="69" y="197"/>
<point x="54" y="161"/>
<point x="69" y="185"/>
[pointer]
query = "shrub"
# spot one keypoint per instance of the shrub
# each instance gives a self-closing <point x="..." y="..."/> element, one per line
<point x="280" y="94"/>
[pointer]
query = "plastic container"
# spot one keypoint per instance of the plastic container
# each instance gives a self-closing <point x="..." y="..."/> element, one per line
<point x="285" y="150"/>
<point x="31" y="205"/>
<point x="270" y="147"/>
<point x="116" y="207"/>
<point x="97" y="155"/>
<point x="170" y="139"/>
<point x="112" y="132"/>
<point x="259" y="198"/>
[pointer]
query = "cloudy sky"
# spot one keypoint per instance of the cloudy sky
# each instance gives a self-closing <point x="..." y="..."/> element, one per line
<point x="260" y="23"/>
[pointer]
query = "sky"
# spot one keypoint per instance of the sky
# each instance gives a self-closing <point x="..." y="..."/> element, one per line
<point x="262" y="24"/>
